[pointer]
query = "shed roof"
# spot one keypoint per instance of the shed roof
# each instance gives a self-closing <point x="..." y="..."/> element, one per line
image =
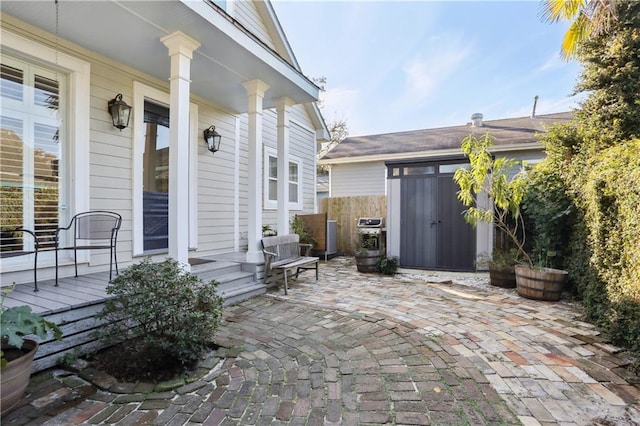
<point x="507" y="132"/>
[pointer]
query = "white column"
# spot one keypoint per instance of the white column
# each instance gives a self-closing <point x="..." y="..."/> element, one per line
<point x="283" y="109"/>
<point x="181" y="49"/>
<point x="255" y="93"/>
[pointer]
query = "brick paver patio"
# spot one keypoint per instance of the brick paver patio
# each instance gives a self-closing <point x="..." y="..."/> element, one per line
<point x="367" y="349"/>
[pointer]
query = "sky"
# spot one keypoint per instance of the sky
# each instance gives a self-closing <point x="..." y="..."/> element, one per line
<point x="395" y="66"/>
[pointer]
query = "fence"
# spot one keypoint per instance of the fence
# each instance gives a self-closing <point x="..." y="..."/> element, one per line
<point x="346" y="211"/>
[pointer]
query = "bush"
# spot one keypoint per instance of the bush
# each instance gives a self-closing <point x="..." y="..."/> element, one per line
<point x="611" y="200"/>
<point x="388" y="265"/>
<point x="547" y="209"/>
<point x="164" y="310"/>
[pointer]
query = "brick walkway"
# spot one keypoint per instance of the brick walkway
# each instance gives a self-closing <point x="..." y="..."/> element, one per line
<point x="365" y="349"/>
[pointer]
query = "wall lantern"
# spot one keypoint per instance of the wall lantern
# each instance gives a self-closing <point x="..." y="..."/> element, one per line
<point x="120" y="112"/>
<point x="212" y="139"/>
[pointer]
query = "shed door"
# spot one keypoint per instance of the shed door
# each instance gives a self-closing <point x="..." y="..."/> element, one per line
<point x="434" y="234"/>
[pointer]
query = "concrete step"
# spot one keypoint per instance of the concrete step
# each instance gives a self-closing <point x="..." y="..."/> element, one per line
<point x="213" y="270"/>
<point x="235" y="283"/>
<point x="236" y="295"/>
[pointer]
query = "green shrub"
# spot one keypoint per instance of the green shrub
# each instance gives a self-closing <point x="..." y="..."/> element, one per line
<point x="547" y="209"/>
<point x="388" y="265"/>
<point x="164" y="310"/>
<point x="611" y="202"/>
<point x="299" y="227"/>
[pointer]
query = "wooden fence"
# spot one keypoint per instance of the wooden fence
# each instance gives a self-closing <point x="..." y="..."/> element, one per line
<point x="346" y="211"/>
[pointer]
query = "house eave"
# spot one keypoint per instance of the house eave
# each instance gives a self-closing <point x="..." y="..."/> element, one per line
<point x="426" y="154"/>
<point x="129" y="33"/>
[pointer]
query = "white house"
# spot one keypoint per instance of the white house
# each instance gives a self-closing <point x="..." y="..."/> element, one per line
<point x="183" y="66"/>
<point x="425" y="228"/>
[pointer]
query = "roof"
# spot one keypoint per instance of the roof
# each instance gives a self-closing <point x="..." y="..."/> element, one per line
<point x="508" y="132"/>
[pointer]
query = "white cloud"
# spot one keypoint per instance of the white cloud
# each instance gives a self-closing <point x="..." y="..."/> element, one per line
<point x="426" y="71"/>
<point x="554" y="62"/>
<point x="339" y="103"/>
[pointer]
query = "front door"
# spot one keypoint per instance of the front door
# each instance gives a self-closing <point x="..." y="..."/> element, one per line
<point x="434" y="234"/>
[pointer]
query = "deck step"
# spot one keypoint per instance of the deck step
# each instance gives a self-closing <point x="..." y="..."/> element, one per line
<point x="238" y="294"/>
<point x="234" y="283"/>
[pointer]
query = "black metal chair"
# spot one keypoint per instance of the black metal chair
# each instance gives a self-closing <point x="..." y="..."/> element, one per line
<point x="92" y="230"/>
<point x="17" y="247"/>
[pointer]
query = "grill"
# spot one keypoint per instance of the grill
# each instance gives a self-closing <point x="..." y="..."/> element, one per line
<point x="371" y="230"/>
<point x="370" y="225"/>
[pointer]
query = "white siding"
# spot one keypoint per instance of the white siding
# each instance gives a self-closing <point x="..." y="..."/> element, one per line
<point x="302" y="147"/>
<point x="216" y="183"/>
<point x="348" y="180"/>
<point x="246" y="13"/>
<point x="220" y="175"/>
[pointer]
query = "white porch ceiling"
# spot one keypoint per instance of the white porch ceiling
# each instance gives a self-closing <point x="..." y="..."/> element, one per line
<point x="130" y="31"/>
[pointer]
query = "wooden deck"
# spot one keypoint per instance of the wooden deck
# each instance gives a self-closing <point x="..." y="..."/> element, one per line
<point x="74" y="304"/>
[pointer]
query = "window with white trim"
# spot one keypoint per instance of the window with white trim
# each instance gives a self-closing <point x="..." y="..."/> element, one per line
<point x="33" y="184"/>
<point x="271" y="181"/>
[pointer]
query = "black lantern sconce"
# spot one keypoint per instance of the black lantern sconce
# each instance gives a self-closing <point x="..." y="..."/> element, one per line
<point x="212" y="139"/>
<point x="120" y="112"/>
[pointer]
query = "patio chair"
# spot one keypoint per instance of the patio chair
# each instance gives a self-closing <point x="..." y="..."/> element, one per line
<point x="17" y="247"/>
<point x="92" y="230"/>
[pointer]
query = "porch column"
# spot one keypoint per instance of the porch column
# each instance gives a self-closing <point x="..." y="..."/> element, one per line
<point x="283" y="109"/>
<point x="181" y="49"/>
<point x="255" y="91"/>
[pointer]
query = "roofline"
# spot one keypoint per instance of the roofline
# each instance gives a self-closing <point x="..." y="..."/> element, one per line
<point x="281" y="34"/>
<point x="466" y="125"/>
<point x="322" y="131"/>
<point x="425" y="154"/>
<point x="249" y="41"/>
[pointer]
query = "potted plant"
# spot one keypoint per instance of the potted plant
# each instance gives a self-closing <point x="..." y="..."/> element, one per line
<point x="306" y="236"/>
<point x="388" y="265"/>
<point x="493" y="177"/>
<point x="368" y="254"/>
<point x="16" y="355"/>
<point x="501" y="265"/>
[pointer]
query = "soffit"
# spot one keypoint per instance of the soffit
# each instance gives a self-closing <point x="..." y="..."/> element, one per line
<point x="129" y="32"/>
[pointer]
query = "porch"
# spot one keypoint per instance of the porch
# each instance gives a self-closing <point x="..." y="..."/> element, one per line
<point x="74" y="304"/>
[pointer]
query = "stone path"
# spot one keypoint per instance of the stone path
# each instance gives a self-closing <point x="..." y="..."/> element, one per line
<point x="366" y="349"/>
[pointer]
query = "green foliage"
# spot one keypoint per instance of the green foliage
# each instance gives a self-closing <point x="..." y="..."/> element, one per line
<point x="494" y="178"/>
<point x="500" y="259"/>
<point x="547" y="209"/>
<point x="611" y="200"/>
<point x="365" y="243"/>
<point x="299" y="227"/>
<point x="611" y="76"/>
<point x="19" y="321"/>
<point x="268" y="231"/>
<point x="388" y="265"/>
<point x="164" y="310"/>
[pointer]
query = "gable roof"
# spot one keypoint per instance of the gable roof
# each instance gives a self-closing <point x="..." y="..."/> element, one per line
<point x="509" y="133"/>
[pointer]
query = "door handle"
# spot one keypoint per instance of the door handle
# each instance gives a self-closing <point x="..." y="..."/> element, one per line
<point x="433" y="222"/>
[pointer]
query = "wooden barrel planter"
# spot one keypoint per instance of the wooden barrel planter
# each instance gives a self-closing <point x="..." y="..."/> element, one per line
<point x="543" y="284"/>
<point x="502" y="277"/>
<point x="367" y="261"/>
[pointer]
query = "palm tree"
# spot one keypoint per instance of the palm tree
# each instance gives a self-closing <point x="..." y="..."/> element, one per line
<point x="590" y="18"/>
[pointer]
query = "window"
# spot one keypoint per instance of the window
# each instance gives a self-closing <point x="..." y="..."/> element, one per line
<point x="271" y="181"/>
<point x="32" y="152"/>
<point x="155" y="175"/>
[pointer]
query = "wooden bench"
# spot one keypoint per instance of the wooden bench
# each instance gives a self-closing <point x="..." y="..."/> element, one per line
<point x="282" y="253"/>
